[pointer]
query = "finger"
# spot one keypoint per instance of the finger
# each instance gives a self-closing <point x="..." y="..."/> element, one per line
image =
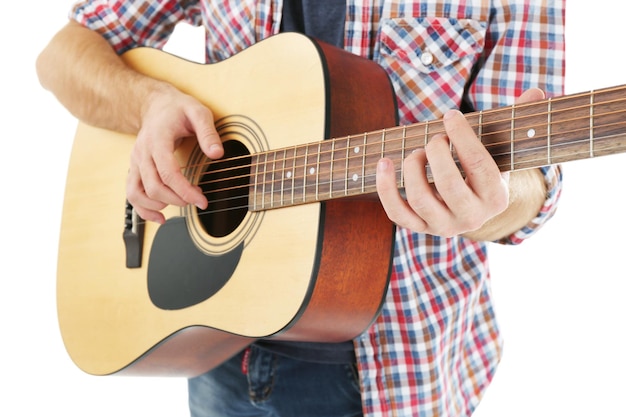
<point x="208" y="139"/>
<point x="481" y="171"/>
<point x="150" y="215"/>
<point x="444" y="169"/>
<point x="158" y="175"/>
<point x="421" y="196"/>
<point x="462" y="210"/>
<point x="530" y="95"/>
<point x="145" y="207"/>
<point x="394" y="205"/>
<point x="167" y="184"/>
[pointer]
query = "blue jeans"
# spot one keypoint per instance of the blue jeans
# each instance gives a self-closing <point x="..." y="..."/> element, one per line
<point x="275" y="386"/>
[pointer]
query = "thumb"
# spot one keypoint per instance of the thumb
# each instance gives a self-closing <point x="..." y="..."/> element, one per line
<point x="206" y="134"/>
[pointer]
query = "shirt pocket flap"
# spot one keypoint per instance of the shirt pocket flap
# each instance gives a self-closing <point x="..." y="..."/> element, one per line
<point x="429" y="43"/>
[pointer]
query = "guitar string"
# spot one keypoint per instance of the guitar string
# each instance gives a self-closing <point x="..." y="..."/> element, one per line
<point x="247" y="206"/>
<point x="371" y="176"/>
<point x="485" y="126"/>
<point x="537" y="161"/>
<point x="282" y="162"/>
<point x="268" y="206"/>
<point x="391" y="142"/>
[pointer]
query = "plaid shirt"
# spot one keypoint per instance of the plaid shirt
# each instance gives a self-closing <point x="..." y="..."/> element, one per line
<point x="435" y="346"/>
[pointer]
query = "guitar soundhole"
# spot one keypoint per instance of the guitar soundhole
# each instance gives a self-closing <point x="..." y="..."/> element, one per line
<point x="226" y="185"/>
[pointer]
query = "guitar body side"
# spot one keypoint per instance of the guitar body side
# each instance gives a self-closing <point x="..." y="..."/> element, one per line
<point x="358" y="238"/>
<point x="314" y="272"/>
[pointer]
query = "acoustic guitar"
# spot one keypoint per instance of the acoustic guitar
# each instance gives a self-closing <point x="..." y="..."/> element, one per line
<point x="294" y="244"/>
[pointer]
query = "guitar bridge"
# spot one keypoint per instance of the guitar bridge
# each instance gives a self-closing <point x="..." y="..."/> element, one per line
<point x="134" y="227"/>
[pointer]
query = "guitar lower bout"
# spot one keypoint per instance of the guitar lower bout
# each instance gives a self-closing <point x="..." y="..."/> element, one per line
<point x="263" y="260"/>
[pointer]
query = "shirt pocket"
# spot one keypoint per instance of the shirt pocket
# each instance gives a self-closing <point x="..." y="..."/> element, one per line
<point x="431" y="56"/>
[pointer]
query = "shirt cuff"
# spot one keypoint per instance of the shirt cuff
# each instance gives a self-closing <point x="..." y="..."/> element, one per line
<point x="554" y="183"/>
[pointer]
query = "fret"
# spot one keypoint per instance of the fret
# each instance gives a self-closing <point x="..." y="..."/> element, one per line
<point x="403" y="157"/>
<point x="347" y="173"/>
<point x="339" y="163"/>
<point x="376" y="148"/>
<point x="512" y="138"/>
<point x="429" y="174"/>
<point x="608" y="122"/>
<point x="591" y="111"/>
<point x="292" y="174"/>
<point x="549" y="134"/>
<point x="255" y="164"/>
<point x="273" y="179"/>
<point x="569" y="128"/>
<point x="305" y="174"/>
<point x="264" y="191"/>
<point x="299" y="175"/>
<point x="531" y="130"/>
<point x="274" y="189"/>
<point x="332" y="168"/>
<point x="355" y="165"/>
<point x="324" y="170"/>
<point x="311" y="173"/>
<point x="282" y="178"/>
<point x="476" y="121"/>
<point x="496" y="136"/>
<point x="393" y="146"/>
<point x="317" y="172"/>
<point x="363" y="162"/>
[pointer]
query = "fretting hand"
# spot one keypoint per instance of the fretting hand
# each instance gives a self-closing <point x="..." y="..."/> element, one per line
<point x="452" y="204"/>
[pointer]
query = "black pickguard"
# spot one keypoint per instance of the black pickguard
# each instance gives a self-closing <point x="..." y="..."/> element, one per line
<point x="180" y="275"/>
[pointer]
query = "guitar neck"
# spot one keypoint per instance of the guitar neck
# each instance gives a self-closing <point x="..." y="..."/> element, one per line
<point x="518" y="137"/>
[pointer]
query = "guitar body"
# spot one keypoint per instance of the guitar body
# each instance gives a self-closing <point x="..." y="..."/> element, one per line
<point x="201" y="287"/>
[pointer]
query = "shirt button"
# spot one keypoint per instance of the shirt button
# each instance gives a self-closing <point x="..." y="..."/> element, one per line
<point x="427" y="58"/>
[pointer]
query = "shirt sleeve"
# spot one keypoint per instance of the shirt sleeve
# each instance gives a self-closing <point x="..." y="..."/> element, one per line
<point x="554" y="181"/>
<point x="525" y="47"/>
<point x="130" y="24"/>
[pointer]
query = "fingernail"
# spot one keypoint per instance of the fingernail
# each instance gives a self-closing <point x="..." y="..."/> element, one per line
<point x="451" y="114"/>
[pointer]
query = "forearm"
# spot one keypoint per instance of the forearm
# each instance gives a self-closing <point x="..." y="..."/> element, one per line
<point x="527" y="194"/>
<point x="86" y="75"/>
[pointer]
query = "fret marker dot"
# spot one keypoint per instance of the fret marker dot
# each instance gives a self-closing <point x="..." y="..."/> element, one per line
<point x="312" y="171"/>
<point x="289" y="174"/>
<point x="531" y="133"/>
<point x="355" y="177"/>
<point x="357" y="150"/>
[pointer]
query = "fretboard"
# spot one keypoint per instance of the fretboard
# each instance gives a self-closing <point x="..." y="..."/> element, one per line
<point x="546" y="132"/>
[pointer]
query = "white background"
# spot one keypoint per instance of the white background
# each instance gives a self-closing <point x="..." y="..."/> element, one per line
<point x="559" y="296"/>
